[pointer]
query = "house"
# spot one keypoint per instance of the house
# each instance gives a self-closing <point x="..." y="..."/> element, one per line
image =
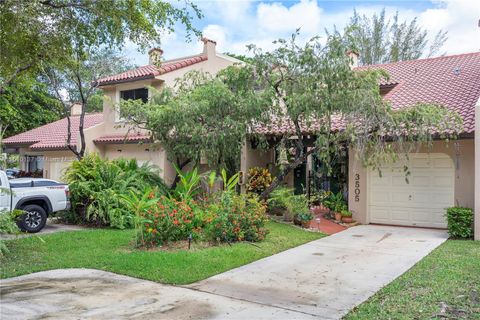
<point x="44" y="149"/>
<point x="441" y="177"/>
<point x="106" y="133"/>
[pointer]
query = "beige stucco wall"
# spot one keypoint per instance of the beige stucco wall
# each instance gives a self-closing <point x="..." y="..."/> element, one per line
<point x="477" y="171"/>
<point x="54" y="162"/>
<point x="113" y="125"/>
<point x="462" y="156"/>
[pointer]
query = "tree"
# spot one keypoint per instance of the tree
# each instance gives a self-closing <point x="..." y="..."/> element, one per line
<point x="74" y="82"/>
<point x="203" y="117"/>
<point x="36" y="33"/>
<point x="27" y="104"/>
<point x="381" y="40"/>
<point x="323" y="106"/>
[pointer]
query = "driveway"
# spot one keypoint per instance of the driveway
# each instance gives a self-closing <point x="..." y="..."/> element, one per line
<point x="50" y="227"/>
<point x="323" y="279"/>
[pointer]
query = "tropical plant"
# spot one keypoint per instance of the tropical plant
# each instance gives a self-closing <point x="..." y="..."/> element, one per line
<point x="97" y="187"/>
<point x="294" y="204"/>
<point x="346" y="213"/>
<point x="8" y="225"/>
<point x="230" y="184"/>
<point x="258" y="180"/>
<point x="335" y="202"/>
<point x="188" y="185"/>
<point x="138" y="205"/>
<point x="305" y="216"/>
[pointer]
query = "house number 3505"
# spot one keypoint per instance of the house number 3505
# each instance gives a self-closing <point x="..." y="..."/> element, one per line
<point x="357" y="187"/>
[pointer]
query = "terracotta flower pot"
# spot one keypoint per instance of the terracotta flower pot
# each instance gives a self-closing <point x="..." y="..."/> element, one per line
<point x="306" y="224"/>
<point x="338" y="216"/>
<point x="347" y="219"/>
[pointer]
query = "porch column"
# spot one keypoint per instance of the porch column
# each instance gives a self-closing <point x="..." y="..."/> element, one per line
<point x="477" y="173"/>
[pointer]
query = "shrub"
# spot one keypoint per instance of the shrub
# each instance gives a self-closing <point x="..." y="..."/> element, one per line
<point x="285" y="198"/>
<point x="169" y="220"/>
<point x="235" y="218"/>
<point x="460" y="222"/>
<point x="259" y="179"/>
<point x="225" y="217"/>
<point x="8" y="225"/>
<point x="97" y="185"/>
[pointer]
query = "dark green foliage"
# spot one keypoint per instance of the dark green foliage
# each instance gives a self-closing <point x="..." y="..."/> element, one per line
<point x="460" y="222"/>
<point x="26" y="105"/>
<point x="97" y="187"/>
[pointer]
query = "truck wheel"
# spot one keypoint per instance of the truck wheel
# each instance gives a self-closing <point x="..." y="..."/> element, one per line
<point x="34" y="218"/>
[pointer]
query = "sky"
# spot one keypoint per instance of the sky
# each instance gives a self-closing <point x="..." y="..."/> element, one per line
<point x="236" y="23"/>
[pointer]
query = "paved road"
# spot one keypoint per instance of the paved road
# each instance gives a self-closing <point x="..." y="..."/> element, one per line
<point x="319" y="280"/>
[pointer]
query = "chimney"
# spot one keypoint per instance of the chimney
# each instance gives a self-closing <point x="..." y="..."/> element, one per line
<point x="353" y="55"/>
<point x="155" y="56"/>
<point x="209" y="47"/>
<point x="76" y="109"/>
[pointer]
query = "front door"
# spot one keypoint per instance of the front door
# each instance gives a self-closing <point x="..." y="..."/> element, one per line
<point x="300" y="178"/>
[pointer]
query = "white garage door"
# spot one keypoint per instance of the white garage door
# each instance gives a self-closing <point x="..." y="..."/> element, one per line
<point x="420" y="202"/>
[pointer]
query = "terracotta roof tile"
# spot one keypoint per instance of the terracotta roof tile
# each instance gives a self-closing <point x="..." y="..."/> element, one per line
<point x="53" y="135"/>
<point x="451" y="81"/>
<point x="150" y="71"/>
<point x="121" y="138"/>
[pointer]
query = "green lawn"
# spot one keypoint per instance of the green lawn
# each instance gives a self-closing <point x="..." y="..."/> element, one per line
<point x="448" y="278"/>
<point x="112" y="250"/>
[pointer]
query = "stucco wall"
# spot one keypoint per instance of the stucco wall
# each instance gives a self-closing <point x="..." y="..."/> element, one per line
<point x="462" y="156"/>
<point x="54" y="162"/>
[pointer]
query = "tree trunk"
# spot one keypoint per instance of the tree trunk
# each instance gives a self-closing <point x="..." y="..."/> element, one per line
<point x="279" y="179"/>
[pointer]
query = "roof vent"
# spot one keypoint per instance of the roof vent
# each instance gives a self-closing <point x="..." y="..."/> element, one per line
<point x="456" y="71"/>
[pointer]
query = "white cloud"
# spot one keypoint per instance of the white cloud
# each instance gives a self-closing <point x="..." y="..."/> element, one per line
<point x="235" y="24"/>
<point x="275" y="17"/>
<point x="458" y="17"/>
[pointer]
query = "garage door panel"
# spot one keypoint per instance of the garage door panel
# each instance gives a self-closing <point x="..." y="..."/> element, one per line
<point x="443" y="163"/>
<point x="420" y="181"/>
<point x="421" y="201"/>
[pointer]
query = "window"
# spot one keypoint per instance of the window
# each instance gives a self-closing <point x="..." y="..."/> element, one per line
<point x="135" y="94"/>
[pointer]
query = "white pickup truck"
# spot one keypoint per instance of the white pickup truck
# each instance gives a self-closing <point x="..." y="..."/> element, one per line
<point x="37" y="197"/>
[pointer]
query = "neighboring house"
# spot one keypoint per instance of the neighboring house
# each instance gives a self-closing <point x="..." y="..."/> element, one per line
<point x="106" y="133"/>
<point x="440" y="177"/>
<point x="44" y="149"/>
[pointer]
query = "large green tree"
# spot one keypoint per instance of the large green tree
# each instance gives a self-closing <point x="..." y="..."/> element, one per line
<point x="320" y="105"/>
<point x="27" y="104"/>
<point x="36" y="33"/>
<point x="306" y="98"/>
<point x="382" y="40"/>
<point x="203" y="117"/>
<point x="75" y="82"/>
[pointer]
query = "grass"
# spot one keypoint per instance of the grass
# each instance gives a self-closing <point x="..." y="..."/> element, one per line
<point x="448" y="279"/>
<point x="112" y="250"/>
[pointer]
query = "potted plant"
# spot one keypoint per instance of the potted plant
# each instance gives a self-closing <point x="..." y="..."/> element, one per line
<point x="296" y="205"/>
<point x="347" y="216"/>
<point x="336" y="204"/>
<point x="305" y="218"/>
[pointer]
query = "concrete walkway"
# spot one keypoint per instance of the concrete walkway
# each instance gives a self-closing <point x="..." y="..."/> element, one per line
<point x="330" y="276"/>
<point x="323" y="279"/>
